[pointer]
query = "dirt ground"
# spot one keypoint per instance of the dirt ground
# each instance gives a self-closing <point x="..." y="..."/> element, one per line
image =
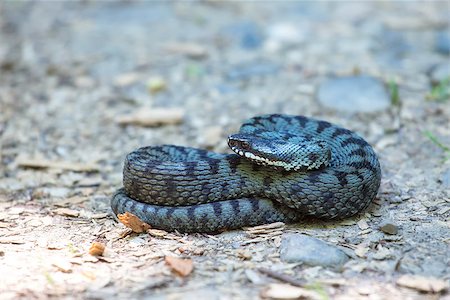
<point x="84" y="83"/>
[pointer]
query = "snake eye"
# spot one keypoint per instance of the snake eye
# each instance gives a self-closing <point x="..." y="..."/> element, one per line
<point x="245" y="145"/>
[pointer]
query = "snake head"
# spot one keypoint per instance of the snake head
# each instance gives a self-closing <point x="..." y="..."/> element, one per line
<point x="295" y="154"/>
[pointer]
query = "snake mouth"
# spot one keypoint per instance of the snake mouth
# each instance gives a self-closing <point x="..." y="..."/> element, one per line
<point x="249" y="155"/>
<point x="263" y="161"/>
<point x="290" y="154"/>
<point x="246" y="148"/>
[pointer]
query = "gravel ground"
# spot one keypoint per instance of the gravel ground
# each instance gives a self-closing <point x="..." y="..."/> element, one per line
<point x="84" y="83"/>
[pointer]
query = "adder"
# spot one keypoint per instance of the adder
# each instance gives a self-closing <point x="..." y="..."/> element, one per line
<point x="284" y="168"/>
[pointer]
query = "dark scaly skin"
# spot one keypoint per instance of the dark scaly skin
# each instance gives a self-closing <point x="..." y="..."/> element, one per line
<point x="192" y="190"/>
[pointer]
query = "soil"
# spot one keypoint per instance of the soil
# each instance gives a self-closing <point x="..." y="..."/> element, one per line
<point x="84" y="83"/>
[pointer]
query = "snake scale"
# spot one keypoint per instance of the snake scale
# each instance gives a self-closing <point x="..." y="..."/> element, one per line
<point x="193" y="190"/>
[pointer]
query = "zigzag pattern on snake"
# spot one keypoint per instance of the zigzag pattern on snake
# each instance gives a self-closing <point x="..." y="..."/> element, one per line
<point x="193" y="190"/>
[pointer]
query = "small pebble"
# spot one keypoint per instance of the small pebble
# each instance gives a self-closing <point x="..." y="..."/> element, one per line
<point x="389" y="228"/>
<point x="446" y="178"/>
<point x="96" y="249"/>
<point x="443" y="42"/>
<point x="247" y="34"/>
<point x="156" y="85"/>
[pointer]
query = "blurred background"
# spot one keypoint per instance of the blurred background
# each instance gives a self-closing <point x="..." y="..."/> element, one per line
<point x="84" y="83"/>
<point x="72" y="71"/>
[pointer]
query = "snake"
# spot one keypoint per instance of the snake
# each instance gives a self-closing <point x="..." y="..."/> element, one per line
<point x="283" y="168"/>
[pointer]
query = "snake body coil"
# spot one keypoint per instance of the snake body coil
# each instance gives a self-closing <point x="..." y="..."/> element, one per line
<point x="192" y="190"/>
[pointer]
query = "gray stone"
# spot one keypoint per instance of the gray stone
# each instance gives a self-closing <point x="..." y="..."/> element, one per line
<point x="443" y="42"/>
<point x="354" y="94"/>
<point x="446" y="178"/>
<point x="311" y="251"/>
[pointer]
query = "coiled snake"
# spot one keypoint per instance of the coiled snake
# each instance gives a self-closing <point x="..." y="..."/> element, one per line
<point x="285" y="168"/>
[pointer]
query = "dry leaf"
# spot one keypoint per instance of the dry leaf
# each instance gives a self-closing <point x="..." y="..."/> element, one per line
<point x="424" y="284"/>
<point x="287" y="291"/>
<point x="43" y="164"/>
<point x="181" y="266"/>
<point x="96" y="249"/>
<point x="133" y="222"/>
<point x="153" y="117"/>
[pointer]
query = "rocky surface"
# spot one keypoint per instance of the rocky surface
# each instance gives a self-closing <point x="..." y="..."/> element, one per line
<point x="84" y="83"/>
<point x="354" y="94"/>
<point x="443" y="42"/>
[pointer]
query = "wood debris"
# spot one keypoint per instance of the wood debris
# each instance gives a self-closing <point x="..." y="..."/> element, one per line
<point x="362" y="224"/>
<point x="125" y="233"/>
<point x="276" y="228"/>
<point x="99" y="216"/>
<point x="253" y="276"/>
<point x="287" y="291"/>
<point x="153" y="117"/>
<point x="336" y="282"/>
<point x="263" y="233"/>
<point x="63" y="265"/>
<point x="4" y="224"/>
<point x="282" y="277"/>
<point x="47" y="164"/>
<point x="96" y="249"/>
<point x="133" y="222"/>
<point x="126" y="79"/>
<point x="361" y="250"/>
<point x="423" y="284"/>
<point x="182" y="267"/>
<point x="191" y="50"/>
<point x="11" y="240"/>
<point x="70" y="201"/>
<point x="157" y="232"/>
<point x="66" y="212"/>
